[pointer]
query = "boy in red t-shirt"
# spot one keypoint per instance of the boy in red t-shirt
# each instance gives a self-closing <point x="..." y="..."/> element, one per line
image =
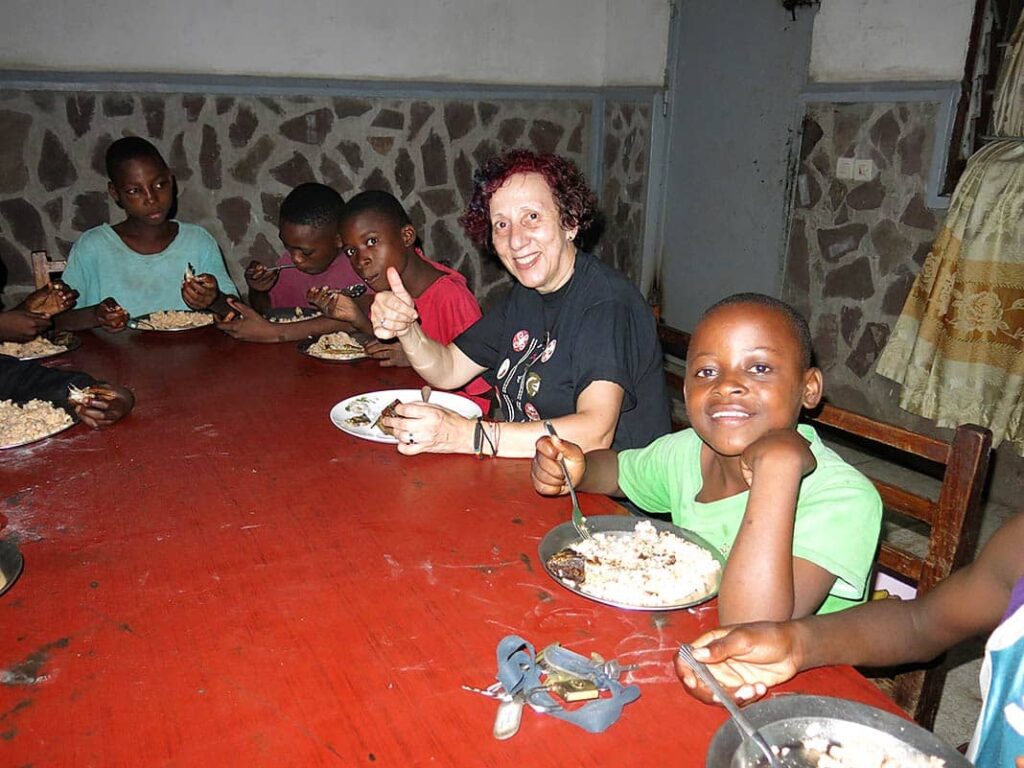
<point x="376" y="234"/>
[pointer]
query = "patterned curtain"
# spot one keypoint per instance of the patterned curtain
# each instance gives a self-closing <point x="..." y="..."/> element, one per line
<point x="958" y="347"/>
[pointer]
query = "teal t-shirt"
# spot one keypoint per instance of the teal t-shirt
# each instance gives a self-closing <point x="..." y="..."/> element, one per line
<point x="838" y="511"/>
<point x="101" y="265"/>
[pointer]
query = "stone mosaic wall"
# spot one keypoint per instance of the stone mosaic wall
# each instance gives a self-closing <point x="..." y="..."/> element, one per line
<point x="624" y="191"/>
<point x="855" y="247"/>
<point x="236" y="157"/>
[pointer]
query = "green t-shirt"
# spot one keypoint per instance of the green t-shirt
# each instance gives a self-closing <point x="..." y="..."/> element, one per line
<point x="838" y="511"/>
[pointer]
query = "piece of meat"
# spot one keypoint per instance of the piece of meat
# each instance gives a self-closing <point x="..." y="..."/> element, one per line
<point x="389" y="410"/>
<point x="568" y="564"/>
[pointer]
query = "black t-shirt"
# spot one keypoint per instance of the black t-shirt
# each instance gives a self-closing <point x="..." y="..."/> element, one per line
<point x="543" y="350"/>
<point x="24" y="380"/>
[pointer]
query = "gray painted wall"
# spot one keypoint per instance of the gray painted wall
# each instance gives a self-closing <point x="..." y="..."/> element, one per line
<point x="735" y="83"/>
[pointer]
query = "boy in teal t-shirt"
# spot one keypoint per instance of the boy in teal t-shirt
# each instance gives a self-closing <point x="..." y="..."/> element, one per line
<point x="798" y="525"/>
<point x="142" y="264"/>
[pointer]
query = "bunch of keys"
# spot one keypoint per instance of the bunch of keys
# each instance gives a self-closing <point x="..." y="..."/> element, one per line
<point x="564" y="684"/>
<point x="510" y="709"/>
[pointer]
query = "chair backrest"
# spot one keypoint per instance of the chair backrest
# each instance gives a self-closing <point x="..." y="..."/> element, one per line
<point x="953" y="518"/>
<point x="674" y="344"/>
<point x="43" y="268"/>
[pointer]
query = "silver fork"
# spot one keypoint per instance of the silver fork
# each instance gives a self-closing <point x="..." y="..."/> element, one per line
<point x="579" y="522"/>
<point x="746" y="728"/>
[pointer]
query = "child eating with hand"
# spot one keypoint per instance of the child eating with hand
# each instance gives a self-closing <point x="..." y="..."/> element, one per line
<point x="100" y="405"/>
<point x="149" y="262"/>
<point x="799" y="526"/>
<point x="308" y="227"/>
<point x="377" y="237"/>
<point x="986" y="596"/>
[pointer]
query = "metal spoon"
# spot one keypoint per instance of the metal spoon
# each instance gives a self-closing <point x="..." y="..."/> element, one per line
<point x="279" y="267"/>
<point x="579" y="522"/>
<point x="747" y="730"/>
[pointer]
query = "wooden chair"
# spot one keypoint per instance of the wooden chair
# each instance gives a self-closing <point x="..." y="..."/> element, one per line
<point x="43" y="268"/>
<point x="674" y="345"/>
<point x="953" y="518"/>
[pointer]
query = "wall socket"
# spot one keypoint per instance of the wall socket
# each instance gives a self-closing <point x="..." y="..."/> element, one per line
<point x="855" y="169"/>
<point x="863" y="170"/>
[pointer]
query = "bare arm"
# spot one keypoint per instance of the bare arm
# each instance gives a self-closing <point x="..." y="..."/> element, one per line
<point x="762" y="580"/>
<point x="249" y="325"/>
<point x="436" y="430"/>
<point x="750" y="658"/>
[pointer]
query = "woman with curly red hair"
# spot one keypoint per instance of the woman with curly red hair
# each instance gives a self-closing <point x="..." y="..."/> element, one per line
<point x="573" y="342"/>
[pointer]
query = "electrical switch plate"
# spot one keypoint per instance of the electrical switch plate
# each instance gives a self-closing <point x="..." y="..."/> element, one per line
<point x="863" y="170"/>
<point x="844" y="168"/>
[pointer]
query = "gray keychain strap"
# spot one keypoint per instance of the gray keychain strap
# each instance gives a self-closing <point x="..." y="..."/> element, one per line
<point x="519" y="673"/>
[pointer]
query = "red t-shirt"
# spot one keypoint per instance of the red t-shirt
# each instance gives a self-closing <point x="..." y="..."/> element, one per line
<point x="446" y="309"/>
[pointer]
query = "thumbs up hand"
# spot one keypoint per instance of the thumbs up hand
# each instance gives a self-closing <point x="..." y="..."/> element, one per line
<point x="393" y="312"/>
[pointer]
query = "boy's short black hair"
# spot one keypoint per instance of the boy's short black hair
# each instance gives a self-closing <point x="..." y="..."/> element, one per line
<point x="312" y="205"/>
<point x="382" y="203"/>
<point x="798" y="322"/>
<point x="130" y="148"/>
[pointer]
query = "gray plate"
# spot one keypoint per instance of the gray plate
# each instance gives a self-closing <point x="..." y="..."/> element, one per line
<point x="786" y="719"/>
<point x="42" y="437"/>
<point x="66" y="339"/>
<point x="561" y="536"/>
<point x="11" y="563"/>
<point x="305" y="344"/>
<point x="289" y="313"/>
<point x="140" y="323"/>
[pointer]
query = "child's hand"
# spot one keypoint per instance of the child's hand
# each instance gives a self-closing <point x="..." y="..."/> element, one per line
<point x="545" y="470"/>
<point x="199" y="292"/>
<point x="20" y="325"/>
<point x="391" y="355"/>
<point x="245" y="323"/>
<point x="335" y="304"/>
<point x="104" y="405"/>
<point x="259" y="278"/>
<point x="50" y="300"/>
<point x="111" y="316"/>
<point x="782" y="448"/>
<point x="747" y="659"/>
<point x="393" y="312"/>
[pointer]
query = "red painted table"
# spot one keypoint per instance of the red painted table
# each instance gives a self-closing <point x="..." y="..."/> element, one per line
<point x="224" y="578"/>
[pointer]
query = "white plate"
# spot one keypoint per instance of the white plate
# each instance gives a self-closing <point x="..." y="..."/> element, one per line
<point x="372" y="403"/>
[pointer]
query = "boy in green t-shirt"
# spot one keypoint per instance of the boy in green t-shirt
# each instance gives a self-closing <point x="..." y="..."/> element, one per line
<point x="798" y="524"/>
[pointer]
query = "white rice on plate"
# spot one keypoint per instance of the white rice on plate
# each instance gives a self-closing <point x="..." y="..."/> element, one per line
<point x="32" y="421"/>
<point x="645" y="568"/>
<point x="336" y="346"/>
<point x="37" y="347"/>
<point x="175" y="320"/>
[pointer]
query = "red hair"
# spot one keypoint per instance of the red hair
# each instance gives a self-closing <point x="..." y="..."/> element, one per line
<point x="576" y="203"/>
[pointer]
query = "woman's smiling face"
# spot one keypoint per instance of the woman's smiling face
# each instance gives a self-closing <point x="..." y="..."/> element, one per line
<point x="527" y="232"/>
